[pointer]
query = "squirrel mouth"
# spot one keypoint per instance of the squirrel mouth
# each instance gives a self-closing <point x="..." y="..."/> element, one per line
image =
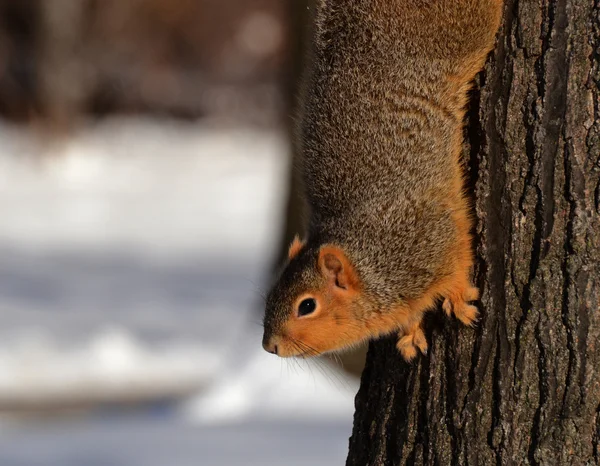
<point x="307" y="354"/>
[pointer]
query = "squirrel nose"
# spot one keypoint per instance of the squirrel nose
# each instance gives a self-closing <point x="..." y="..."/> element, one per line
<point x="270" y="345"/>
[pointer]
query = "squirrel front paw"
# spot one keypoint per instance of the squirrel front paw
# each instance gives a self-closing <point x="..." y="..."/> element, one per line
<point x="457" y="304"/>
<point x="411" y="340"/>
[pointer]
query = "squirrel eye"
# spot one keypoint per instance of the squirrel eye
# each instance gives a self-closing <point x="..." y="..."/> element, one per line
<point x="307" y="306"/>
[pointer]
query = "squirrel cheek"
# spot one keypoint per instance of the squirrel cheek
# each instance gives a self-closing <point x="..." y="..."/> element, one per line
<point x="306" y="335"/>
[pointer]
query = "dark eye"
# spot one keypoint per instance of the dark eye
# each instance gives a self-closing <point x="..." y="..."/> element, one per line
<point x="307" y="306"/>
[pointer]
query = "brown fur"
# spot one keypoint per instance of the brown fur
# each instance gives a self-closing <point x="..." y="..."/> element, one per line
<point x="381" y="135"/>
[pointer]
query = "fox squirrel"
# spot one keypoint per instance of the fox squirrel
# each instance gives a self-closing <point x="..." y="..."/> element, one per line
<point x="380" y="132"/>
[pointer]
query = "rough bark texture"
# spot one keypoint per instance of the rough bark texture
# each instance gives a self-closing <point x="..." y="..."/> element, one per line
<point x="524" y="386"/>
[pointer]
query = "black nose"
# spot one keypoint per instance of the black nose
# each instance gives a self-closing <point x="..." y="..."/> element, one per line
<point x="270" y="345"/>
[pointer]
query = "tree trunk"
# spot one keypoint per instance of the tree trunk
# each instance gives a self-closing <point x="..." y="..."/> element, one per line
<point x="62" y="79"/>
<point x="524" y="386"/>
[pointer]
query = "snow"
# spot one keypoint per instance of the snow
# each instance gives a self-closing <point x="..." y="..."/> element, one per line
<point x="134" y="256"/>
<point x="266" y="387"/>
<point x="139" y="441"/>
<point x="113" y="185"/>
<point x="113" y="365"/>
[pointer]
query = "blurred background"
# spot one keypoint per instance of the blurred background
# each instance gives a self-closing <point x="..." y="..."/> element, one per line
<point x="146" y="198"/>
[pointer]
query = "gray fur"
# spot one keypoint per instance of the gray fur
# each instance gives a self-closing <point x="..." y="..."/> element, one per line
<point x="376" y="131"/>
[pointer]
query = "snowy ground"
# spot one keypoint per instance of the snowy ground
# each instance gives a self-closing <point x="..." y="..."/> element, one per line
<point x="133" y="257"/>
<point x="149" y="442"/>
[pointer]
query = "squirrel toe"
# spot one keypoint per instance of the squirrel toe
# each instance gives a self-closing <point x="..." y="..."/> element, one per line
<point x="410" y="342"/>
<point x="457" y="305"/>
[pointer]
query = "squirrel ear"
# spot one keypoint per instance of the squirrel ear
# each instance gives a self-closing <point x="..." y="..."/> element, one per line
<point x="335" y="265"/>
<point x="295" y="247"/>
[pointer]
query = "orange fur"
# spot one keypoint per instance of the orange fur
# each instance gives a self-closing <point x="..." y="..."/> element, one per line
<point x="295" y="247"/>
<point x="320" y="332"/>
<point x="411" y="340"/>
<point x="455" y="288"/>
<point x="334" y="326"/>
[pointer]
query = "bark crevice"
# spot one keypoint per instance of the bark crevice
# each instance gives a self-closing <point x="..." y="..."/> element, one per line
<point x="524" y="387"/>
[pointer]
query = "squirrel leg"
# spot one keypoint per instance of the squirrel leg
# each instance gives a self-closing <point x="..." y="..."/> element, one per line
<point x="457" y="303"/>
<point x="411" y="340"/>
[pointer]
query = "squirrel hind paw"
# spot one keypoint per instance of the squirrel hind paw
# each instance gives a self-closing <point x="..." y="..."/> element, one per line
<point x="411" y="342"/>
<point x="458" y="305"/>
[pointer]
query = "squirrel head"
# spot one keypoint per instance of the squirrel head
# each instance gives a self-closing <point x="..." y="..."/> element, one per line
<point x="313" y="307"/>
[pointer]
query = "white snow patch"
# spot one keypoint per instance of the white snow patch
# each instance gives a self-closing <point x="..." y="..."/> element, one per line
<point x="263" y="386"/>
<point x="146" y="185"/>
<point x="112" y="366"/>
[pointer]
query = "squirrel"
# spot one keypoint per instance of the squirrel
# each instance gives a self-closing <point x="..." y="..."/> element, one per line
<point x="380" y="133"/>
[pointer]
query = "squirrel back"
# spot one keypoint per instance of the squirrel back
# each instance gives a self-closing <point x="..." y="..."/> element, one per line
<point x="380" y="133"/>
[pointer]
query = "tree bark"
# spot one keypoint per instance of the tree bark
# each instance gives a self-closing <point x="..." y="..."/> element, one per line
<point x="524" y="386"/>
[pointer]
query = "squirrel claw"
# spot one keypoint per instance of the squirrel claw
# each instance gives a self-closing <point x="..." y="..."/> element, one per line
<point x="447" y="307"/>
<point x="466" y="313"/>
<point x="411" y="341"/>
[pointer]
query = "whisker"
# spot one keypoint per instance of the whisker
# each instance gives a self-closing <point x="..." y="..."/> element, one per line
<point x="256" y="289"/>
<point x="320" y="365"/>
<point x="326" y="370"/>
